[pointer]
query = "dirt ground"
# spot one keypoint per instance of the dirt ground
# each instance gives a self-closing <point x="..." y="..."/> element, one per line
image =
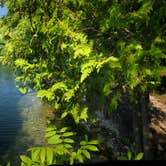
<point x="158" y="125"/>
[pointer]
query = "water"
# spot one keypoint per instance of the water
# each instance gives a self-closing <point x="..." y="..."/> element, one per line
<point x="10" y="120"/>
<point x="23" y="119"/>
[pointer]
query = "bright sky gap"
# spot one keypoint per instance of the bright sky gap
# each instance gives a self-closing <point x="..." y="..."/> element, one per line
<point x="3" y="11"/>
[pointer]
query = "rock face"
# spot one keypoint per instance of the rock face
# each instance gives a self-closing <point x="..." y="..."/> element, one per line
<point x="159" y="102"/>
<point x="158" y="125"/>
<point x="148" y="134"/>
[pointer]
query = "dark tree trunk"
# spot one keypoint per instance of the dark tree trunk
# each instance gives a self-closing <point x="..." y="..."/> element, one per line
<point x="137" y="130"/>
<point x="144" y="115"/>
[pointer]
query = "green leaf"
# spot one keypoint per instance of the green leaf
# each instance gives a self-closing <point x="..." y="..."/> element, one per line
<point x="114" y="102"/>
<point x="50" y="129"/>
<point x="50" y="154"/>
<point x="79" y="156"/>
<point x="46" y="93"/>
<point x="63" y="129"/>
<point x="68" y="146"/>
<point x="26" y="159"/>
<point x="69" y="94"/>
<point x="35" y="153"/>
<point x="139" y="156"/>
<point x="57" y="105"/>
<point x="64" y="114"/>
<point x="21" y="62"/>
<point x="22" y="90"/>
<point x="112" y="61"/>
<point x="49" y="134"/>
<point x="74" y="113"/>
<point x="94" y="142"/>
<point x="72" y="157"/>
<point x="60" y="150"/>
<point x="129" y="154"/>
<point x="87" y="69"/>
<point x="86" y="154"/>
<point x="122" y="158"/>
<point x="107" y="88"/>
<point x="91" y="147"/>
<point x="8" y="164"/>
<point x="54" y="139"/>
<point x="43" y="155"/>
<point x="67" y="134"/>
<point x="68" y="140"/>
<point x="84" y="143"/>
<point x="84" y="114"/>
<point x="59" y="85"/>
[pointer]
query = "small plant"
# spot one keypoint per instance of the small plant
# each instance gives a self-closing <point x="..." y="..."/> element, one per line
<point x="129" y="156"/>
<point x="60" y="149"/>
<point x="83" y="152"/>
<point x="40" y="156"/>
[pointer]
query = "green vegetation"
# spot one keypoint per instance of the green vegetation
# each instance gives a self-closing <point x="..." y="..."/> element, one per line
<point x="129" y="156"/>
<point x="79" y="56"/>
<point x="61" y="151"/>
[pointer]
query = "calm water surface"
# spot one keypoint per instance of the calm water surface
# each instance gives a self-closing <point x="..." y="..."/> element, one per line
<point x="23" y="119"/>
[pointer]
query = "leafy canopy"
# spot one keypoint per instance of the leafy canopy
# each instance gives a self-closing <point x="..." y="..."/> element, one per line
<point x="74" y="51"/>
<point x="80" y="54"/>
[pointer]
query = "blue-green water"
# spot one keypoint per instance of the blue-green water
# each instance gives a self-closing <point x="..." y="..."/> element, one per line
<point x="10" y="120"/>
<point x="23" y="119"/>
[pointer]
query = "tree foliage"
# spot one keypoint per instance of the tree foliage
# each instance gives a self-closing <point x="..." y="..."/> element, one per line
<point x="129" y="156"/>
<point x="78" y="54"/>
<point x="74" y="51"/>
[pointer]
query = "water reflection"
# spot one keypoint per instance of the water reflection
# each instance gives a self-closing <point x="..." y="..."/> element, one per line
<point x="23" y="119"/>
<point x="10" y="120"/>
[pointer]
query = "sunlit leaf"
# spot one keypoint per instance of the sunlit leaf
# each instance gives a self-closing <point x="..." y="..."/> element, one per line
<point x="8" y="164"/>
<point x="94" y="142"/>
<point x="49" y="134"/>
<point x="68" y="140"/>
<point x="26" y="159"/>
<point x="50" y="129"/>
<point x="22" y="90"/>
<point x="67" y="134"/>
<point x="84" y="143"/>
<point x="49" y="154"/>
<point x="63" y="129"/>
<point x="79" y="156"/>
<point x="64" y="115"/>
<point x="129" y="154"/>
<point x="68" y="146"/>
<point x="54" y="139"/>
<point x="35" y="153"/>
<point x="72" y="157"/>
<point x="139" y="156"/>
<point x="86" y="154"/>
<point x="43" y="155"/>
<point x="91" y="147"/>
<point x="60" y="150"/>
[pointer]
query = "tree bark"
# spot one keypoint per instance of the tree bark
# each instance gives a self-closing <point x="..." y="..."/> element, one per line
<point x="144" y="102"/>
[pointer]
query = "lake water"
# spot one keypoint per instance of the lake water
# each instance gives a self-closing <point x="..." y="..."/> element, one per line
<point x="23" y="119"/>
